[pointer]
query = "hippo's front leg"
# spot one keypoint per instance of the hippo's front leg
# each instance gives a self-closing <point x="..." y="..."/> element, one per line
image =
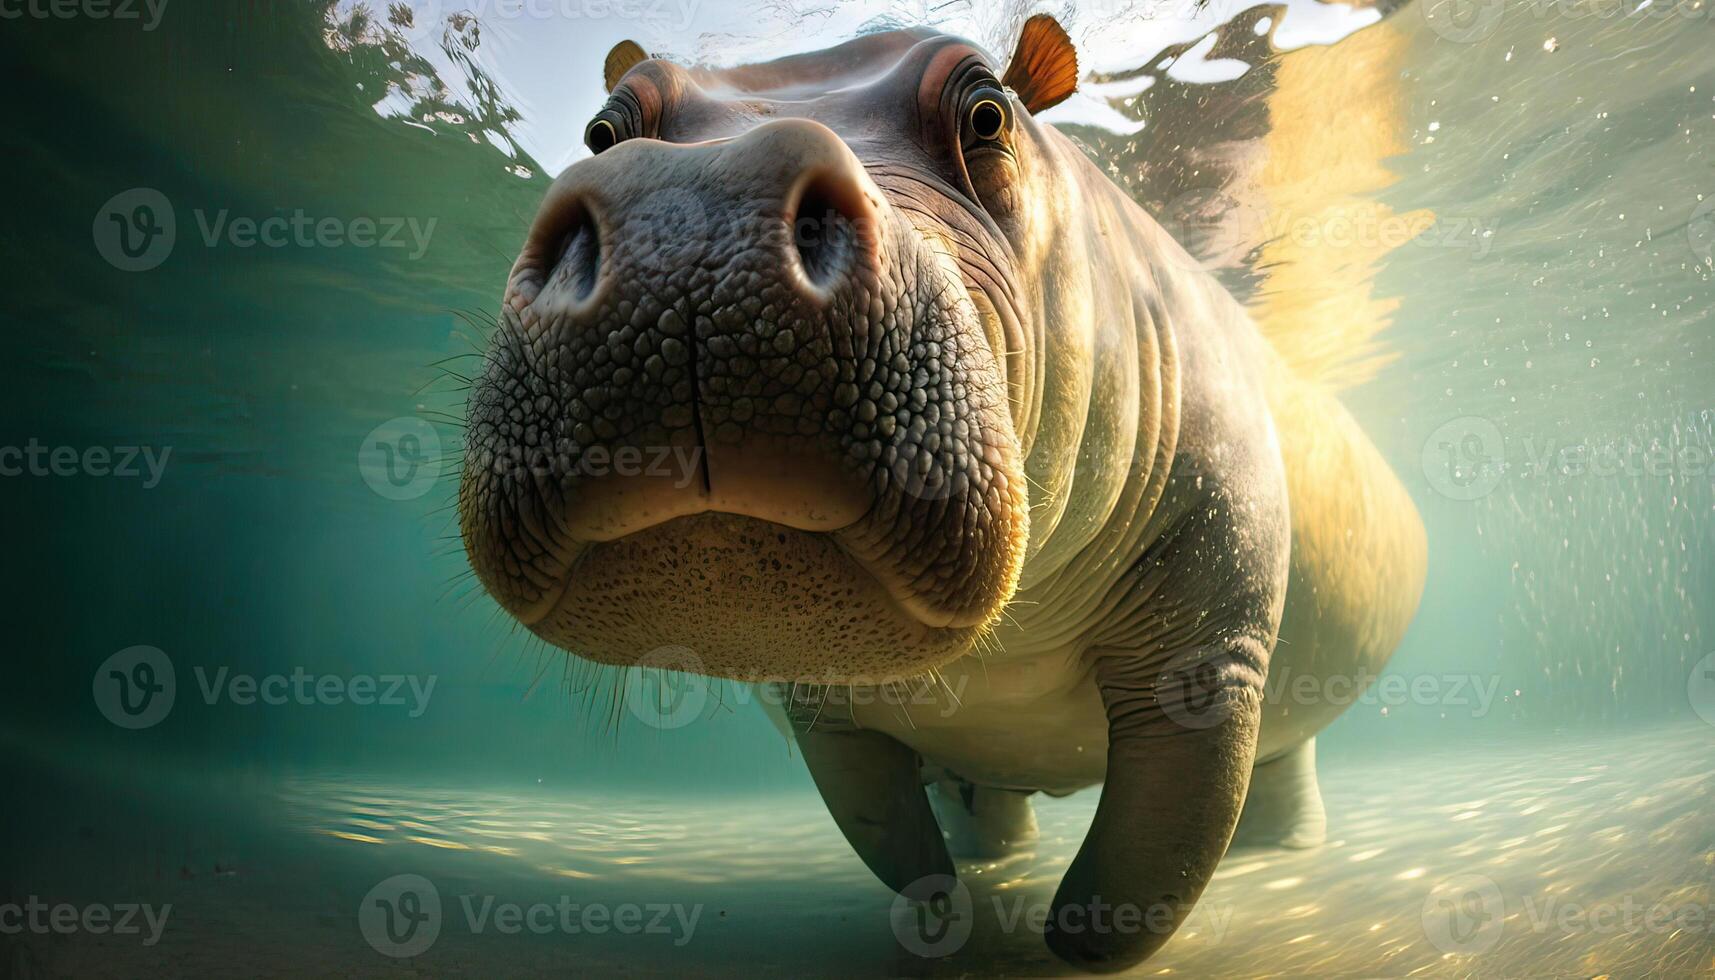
<point x="1181" y="741"/>
<point x="873" y="790"/>
<point x="1181" y="667"/>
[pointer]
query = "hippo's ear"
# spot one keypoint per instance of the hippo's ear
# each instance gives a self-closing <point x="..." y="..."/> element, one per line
<point x="624" y="56"/>
<point x="1044" y="67"/>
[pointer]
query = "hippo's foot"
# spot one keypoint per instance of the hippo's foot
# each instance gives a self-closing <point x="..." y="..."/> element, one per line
<point x="981" y="821"/>
<point x="871" y="785"/>
<point x="1284" y="806"/>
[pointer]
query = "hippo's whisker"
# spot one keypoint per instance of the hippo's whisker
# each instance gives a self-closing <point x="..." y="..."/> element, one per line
<point x="446" y="418"/>
<point x="580" y="677"/>
<point x="480" y="319"/>
<point x="451" y="506"/>
<point x="472" y="594"/>
<point x="541" y="672"/>
<point x="440" y="377"/>
<point x="459" y="577"/>
<point x="952" y="694"/>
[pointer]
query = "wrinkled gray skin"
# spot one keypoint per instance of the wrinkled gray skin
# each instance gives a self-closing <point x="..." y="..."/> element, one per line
<point x="922" y="377"/>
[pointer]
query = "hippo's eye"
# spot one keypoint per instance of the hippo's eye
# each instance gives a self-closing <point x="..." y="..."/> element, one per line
<point x="987" y="118"/>
<point x="625" y="116"/>
<point x="600" y="135"/>
<point x="986" y="143"/>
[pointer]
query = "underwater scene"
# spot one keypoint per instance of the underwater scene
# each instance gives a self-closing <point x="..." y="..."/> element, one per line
<point x="800" y="488"/>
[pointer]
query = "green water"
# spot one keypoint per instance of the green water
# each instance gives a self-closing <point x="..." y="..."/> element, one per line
<point x="1570" y="602"/>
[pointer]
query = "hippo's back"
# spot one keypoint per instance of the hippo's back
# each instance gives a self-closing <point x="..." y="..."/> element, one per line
<point x="1358" y="563"/>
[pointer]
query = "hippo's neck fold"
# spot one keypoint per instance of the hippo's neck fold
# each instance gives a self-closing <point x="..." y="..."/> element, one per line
<point x="1109" y="414"/>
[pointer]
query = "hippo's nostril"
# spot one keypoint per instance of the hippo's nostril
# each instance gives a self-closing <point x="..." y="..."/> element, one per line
<point x="577" y="260"/>
<point x="824" y="232"/>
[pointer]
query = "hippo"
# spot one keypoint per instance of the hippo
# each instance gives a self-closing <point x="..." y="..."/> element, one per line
<point x="843" y="373"/>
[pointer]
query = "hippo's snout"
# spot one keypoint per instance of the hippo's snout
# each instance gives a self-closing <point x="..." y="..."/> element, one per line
<point x="764" y="239"/>
<point x="790" y="190"/>
<point x="737" y="404"/>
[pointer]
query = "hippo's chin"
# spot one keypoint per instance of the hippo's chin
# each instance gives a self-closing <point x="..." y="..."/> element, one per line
<point x="742" y="598"/>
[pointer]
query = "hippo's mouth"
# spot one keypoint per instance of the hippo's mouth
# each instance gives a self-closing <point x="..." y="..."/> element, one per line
<point x="741" y="597"/>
